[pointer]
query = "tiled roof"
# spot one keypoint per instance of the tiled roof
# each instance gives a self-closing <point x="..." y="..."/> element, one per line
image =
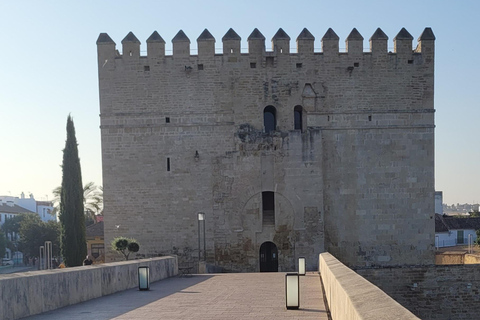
<point x="5" y="208"/>
<point x="95" y="230"/>
<point x="440" y="226"/>
<point x="446" y="223"/>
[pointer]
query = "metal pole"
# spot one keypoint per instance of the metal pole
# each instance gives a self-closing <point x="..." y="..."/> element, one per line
<point x="198" y="221"/>
<point x="204" y="242"/>
<point x="48" y="254"/>
<point x="42" y="254"/>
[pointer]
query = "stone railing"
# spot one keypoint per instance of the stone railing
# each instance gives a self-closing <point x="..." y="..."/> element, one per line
<point x="350" y="296"/>
<point x="29" y="293"/>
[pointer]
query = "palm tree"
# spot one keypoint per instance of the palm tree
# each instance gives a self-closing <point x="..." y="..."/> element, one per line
<point x="92" y="200"/>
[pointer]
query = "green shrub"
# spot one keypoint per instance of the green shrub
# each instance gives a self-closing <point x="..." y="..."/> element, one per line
<point x="125" y="246"/>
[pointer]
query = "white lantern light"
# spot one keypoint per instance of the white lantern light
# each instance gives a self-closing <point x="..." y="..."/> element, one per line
<point x="143" y="278"/>
<point x="301" y="266"/>
<point x="292" y="291"/>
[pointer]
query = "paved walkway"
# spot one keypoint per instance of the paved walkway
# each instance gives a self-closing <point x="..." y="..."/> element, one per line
<point x="226" y="296"/>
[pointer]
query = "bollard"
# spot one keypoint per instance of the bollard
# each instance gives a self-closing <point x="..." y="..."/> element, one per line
<point x="301" y="266"/>
<point x="292" y="291"/>
<point x="143" y="278"/>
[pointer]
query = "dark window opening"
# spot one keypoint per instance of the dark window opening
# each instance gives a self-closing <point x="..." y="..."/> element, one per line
<point x="146" y="68"/>
<point x="269" y="119"/>
<point x="167" y="119"/>
<point x="297" y="118"/>
<point x="299" y="65"/>
<point x="168" y="164"/>
<point x="200" y="67"/>
<point x="328" y="118"/>
<point x="369" y="118"/>
<point x="253" y="65"/>
<point x="410" y="61"/>
<point x="270" y="61"/>
<point x="356" y="64"/>
<point x="268" y="206"/>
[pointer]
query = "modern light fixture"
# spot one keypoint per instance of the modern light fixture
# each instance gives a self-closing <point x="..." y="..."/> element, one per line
<point x="143" y="278"/>
<point x="301" y="266"/>
<point x="201" y="220"/>
<point x="292" y="291"/>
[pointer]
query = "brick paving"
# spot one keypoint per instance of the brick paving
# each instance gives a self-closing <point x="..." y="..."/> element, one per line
<point x="211" y="296"/>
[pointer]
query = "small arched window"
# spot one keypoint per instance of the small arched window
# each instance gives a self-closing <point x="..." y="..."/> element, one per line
<point x="269" y="119"/>
<point x="297" y="118"/>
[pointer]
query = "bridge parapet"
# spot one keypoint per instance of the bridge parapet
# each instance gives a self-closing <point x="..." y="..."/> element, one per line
<point x="350" y="296"/>
<point x="29" y="293"/>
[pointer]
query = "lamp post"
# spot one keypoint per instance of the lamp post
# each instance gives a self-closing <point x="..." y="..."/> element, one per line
<point x="201" y="220"/>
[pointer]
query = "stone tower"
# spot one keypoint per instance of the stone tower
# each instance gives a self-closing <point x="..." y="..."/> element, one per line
<point x="287" y="154"/>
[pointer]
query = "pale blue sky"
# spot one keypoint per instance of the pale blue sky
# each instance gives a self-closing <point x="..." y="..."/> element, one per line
<point x="49" y="69"/>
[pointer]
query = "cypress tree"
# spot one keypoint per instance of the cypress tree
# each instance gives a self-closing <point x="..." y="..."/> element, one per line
<point x="73" y="238"/>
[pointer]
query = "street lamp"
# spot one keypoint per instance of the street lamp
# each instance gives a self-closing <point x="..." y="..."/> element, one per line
<point x="201" y="220"/>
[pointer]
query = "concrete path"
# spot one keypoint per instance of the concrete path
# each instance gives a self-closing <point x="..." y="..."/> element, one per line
<point x="226" y="296"/>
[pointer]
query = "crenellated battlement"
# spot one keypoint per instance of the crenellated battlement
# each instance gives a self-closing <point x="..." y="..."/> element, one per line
<point x="256" y="44"/>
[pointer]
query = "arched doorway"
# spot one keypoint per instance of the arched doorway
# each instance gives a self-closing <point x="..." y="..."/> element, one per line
<point x="268" y="257"/>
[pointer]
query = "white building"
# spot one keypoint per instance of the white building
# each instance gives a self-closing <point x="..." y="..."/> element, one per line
<point x="42" y="208"/>
<point x="452" y="231"/>
<point x="8" y="209"/>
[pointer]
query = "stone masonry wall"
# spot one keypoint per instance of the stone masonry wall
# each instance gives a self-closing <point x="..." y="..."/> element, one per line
<point x="183" y="134"/>
<point x="431" y="292"/>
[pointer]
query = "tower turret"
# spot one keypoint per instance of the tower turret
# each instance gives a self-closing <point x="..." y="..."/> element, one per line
<point x="256" y="43"/>
<point x="330" y="43"/>
<point x="378" y="42"/>
<point x="402" y="43"/>
<point x="281" y="42"/>
<point x="305" y="42"/>
<point x="354" y="42"/>
<point x="181" y="45"/>
<point x="130" y="46"/>
<point x="155" y="46"/>
<point x="105" y="49"/>
<point x="426" y="43"/>
<point x="206" y="44"/>
<point x="231" y="43"/>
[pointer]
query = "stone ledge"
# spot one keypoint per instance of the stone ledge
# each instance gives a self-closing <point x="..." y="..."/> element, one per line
<point x="29" y="293"/>
<point x="350" y="296"/>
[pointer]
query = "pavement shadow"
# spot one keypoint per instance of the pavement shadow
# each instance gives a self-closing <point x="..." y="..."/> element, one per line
<point x="119" y="303"/>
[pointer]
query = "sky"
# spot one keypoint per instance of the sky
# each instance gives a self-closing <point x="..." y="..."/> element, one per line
<point x="48" y="70"/>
